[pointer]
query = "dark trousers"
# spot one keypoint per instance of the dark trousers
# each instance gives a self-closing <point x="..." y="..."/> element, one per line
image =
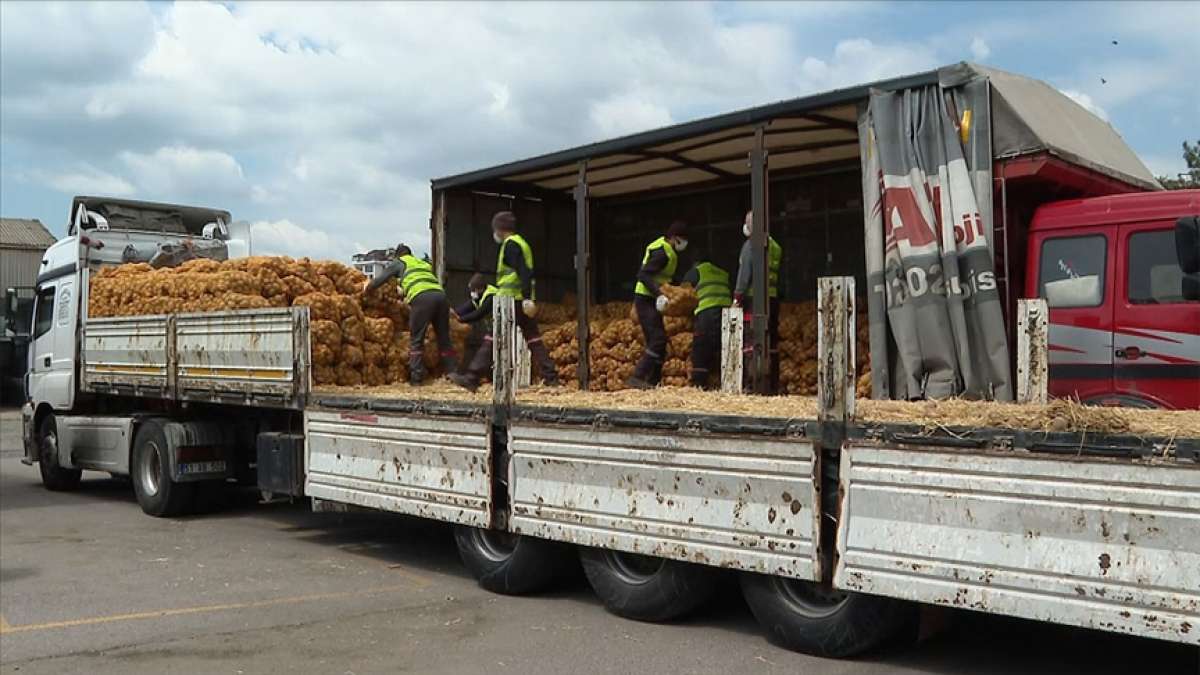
<point x="649" y="368"/>
<point x="706" y="346"/>
<point x="428" y="307"/>
<point x="772" y="339"/>
<point x="481" y="364"/>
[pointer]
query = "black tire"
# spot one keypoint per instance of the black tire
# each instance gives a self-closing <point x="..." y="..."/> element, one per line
<point x="511" y="564"/>
<point x="647" y="588"/>
<point x="150" y="469"/>
<point x="54" y="477"/>
<point x="800" y="616"/>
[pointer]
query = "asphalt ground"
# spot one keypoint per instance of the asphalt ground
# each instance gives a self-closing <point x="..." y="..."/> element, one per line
<point x="88" y="584"/>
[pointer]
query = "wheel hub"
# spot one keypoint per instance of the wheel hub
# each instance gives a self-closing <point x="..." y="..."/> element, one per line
<point x="150" y="469"/>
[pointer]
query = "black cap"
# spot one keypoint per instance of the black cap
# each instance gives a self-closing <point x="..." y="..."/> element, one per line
<point x="402" y="249"/>
<point x="477" y="282"/>
<point x="504" y="220"/>
<point x="677" y="229"/>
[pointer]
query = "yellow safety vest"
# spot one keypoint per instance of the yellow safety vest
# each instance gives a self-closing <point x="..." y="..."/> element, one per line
<point x="508" y="282"/>
<point x="667" y="273"/>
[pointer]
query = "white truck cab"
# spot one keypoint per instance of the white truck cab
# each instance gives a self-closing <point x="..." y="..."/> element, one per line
<point x="66" y="429"/>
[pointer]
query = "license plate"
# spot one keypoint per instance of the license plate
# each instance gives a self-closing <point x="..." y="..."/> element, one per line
<point x="202" y="467"/>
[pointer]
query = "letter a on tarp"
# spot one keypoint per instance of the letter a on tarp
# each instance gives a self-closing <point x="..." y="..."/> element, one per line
<point x="933" y="303"/>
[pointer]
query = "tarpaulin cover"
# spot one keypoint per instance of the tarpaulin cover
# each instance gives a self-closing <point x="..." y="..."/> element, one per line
<point x="933" y="303"/>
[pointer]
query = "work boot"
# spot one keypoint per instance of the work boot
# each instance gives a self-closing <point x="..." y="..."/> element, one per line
<point x="635" y="382"/>
<point x="545" y="364"/>
<point x="467" y="381"/>
<point x="449" y="364"/>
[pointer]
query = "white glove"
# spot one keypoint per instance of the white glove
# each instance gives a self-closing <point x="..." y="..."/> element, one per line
<point x="661" y="302"/>
<point x="529" y="308"/>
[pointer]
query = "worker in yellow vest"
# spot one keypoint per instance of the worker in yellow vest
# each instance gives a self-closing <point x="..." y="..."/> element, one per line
<point x="659" y="263"/>
<point x="743" y="292"/>
<point x="714" y="294"/>
<point x="482" y="295"/>
<point x="514" y="279"/>
<point x="427" y="304"/>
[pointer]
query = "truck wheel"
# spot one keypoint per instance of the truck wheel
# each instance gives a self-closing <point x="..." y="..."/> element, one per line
<point x="512" y="564"/>
<point x="157" y="494"/>
<point x="54" y="477"/>
<point x="646" y="588"/>
<point x="803" y="616"/>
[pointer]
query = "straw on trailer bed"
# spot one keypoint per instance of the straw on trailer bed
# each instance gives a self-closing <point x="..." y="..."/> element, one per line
<point x="1059" y="415"/>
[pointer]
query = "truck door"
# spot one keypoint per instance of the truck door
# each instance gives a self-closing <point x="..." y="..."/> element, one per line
<point x="1075" y="271"/>
<point x="1156" y="333"/>
<point x="52" y="350"/>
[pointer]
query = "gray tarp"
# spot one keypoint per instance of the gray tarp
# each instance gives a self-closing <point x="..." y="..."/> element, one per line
<point x="932" y="293"/>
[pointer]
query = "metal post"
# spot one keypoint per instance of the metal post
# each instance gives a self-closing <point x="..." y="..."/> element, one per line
<point x="835" y="349"/>
<point x="522" y="359"/>
<point x="504" y="324"/>
<point x="761" y="362"/>
<point x="1032" y="351"/>
<point x="732" y="329"/>
<point x="438" y="225"/>
<point x="583" y="275"/>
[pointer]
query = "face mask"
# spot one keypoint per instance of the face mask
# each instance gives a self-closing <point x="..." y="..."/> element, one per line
<point x="474" y="295"/>
<point x="680" y="244"/>
<point x="497" y="237"/>
<point x="746" y="229"/>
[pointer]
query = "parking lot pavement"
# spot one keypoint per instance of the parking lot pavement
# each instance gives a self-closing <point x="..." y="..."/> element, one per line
<point x="90" y="584"/>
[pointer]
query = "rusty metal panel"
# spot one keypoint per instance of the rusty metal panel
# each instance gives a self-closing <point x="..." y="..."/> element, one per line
<point x="424" y="466"/>
<point x="245" y="354"/>
<point x="127" y="352"/>
<point x="1100" y="543"/>
<point x="740" y="502"/>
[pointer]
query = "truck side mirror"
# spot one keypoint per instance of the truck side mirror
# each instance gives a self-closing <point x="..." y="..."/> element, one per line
<point x="1187" y="243"/>
<point x="1187" y="250"/>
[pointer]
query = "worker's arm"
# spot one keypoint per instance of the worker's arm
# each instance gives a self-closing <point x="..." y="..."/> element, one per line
<point x="483" y="311"/>
<point x="516" y="260"/>
<point x="464" y="309"/>
<point x="654" y="265"/>
<point x="745" y="271"/>
<point x="692" y="277"/>
<point x="392" y="271"/>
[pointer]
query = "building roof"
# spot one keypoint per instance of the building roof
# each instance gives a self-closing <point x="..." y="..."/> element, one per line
<point x="25" y="233"/>
<point x="1030" y="116"/>
<point x="375" y="254"/>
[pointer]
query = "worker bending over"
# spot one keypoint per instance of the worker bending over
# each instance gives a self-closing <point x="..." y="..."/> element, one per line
<point x="659" y="263"/>
<point x="743" y="292"/>
<point x="514" y="279"/>
<point x="714" y="294"/>
<point x="479" y="316"/>
<point x="426" y="303"/>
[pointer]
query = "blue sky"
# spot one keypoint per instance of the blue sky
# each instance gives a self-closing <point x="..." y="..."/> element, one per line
<point x="322" y="124"/>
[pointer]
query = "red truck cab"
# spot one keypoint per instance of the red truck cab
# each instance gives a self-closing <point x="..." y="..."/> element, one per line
<point x="1123" y="331"/>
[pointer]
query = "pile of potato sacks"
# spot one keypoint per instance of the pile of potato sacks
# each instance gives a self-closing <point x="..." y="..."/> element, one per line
<point x="617" y="344"/>
<point x="357" y="339"/>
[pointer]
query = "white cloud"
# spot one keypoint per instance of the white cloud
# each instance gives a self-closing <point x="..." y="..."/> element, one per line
<point x="1087" y="102"/>
<point x="980" y="49"/>
<point x="283" y="237"/>
<point x="86" y="180"/>
<point x="860" y="60"/>
<point x="178" y="171"/>
<point x="626" y="114"/>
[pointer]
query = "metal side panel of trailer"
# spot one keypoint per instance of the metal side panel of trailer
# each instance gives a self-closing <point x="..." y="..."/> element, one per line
<point x="129" y="354"/>
<point x="242" y="356"/>
<point x="427" y="466"/>
<point x="745" y="502"/>
<point x="1112" y="544"/>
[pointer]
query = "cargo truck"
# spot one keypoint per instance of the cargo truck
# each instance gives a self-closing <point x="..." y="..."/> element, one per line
<point x="838" y="526"/>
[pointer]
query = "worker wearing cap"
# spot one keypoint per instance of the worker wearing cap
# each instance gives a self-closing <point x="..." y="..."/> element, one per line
<point x="743" y="292"/>
<point x="514" y="279"/>
<point x="480" y="315"/>
<point x="714" y="294"/>
<point x="659" y="263"/>
<point x="427" y="304"/>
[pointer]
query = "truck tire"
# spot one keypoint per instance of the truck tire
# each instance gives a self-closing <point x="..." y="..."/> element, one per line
<point x="150" y="469"/>
<point x="511" y="564"/>
<point x="803" y="617"/>
<point x="646" y="588"/>
<point x="54" y="477"/>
